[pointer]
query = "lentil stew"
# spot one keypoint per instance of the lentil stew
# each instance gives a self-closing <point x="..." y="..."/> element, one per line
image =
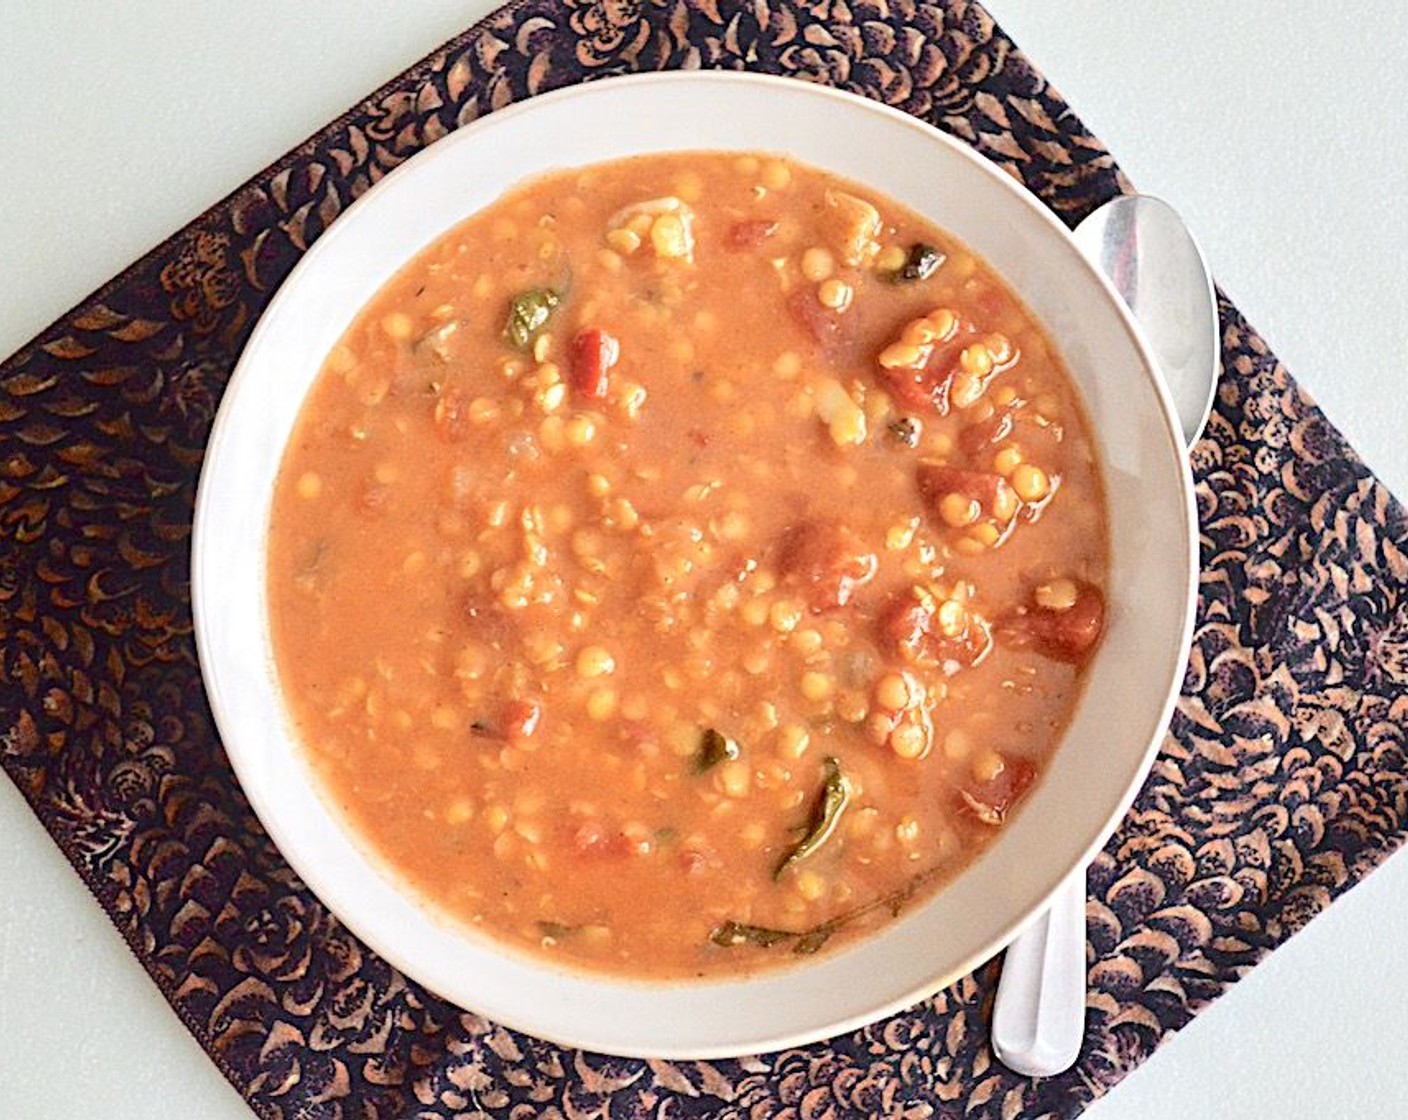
<point x="685" y="563"/>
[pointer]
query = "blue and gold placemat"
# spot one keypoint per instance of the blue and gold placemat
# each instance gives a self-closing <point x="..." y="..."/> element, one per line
<point x="1281" y="783"/>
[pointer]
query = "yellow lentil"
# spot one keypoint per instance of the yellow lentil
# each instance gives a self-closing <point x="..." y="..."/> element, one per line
<point x="818" y="264"/>
<point x="668" y="236"/>
<point x="892" y="258"/>
<point x="1004" y="503"/>
<point x="793" y="740"/>
<point x="959" y="510"/>
<point x="847" y="427"/>
<point x="986" y="764"/>
<point x="892" y="691"/>
<point x="776" y="175"/>
<point x="986" y="534"/>
<point x="952" y="618"/>
<point x="810" y="885"/>
<point x="601" y="704"/>
<point x="398" y="325"/>
<point x="815" y="686"/>
<point x="835" y="294"/>
<point x="459" y="811"/>
<point x="624" y="241"/>
<point x="957" y="745"/>
<point x="595" y="661"/>
<point x="909" y="740"/>
<point x="785" y="614"/>
<point x="734" y="778"/>
<point x="580" y="431"/>
<point x="1030" y="482"/>
<point x="976" y="359"/>
<point x="310" y="485"/>
<point x="756" y="612"/>
<point x="1056" y="595"/>
<point x="1007" y="460"/>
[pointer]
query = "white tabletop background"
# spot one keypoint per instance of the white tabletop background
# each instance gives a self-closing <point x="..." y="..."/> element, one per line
<point x="1276" y="128"/>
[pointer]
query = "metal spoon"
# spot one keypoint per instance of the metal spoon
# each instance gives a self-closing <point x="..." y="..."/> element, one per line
<point x="1141" y="244"/>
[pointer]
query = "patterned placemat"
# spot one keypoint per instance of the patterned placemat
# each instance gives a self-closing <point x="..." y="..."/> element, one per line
<point x="1281" y="783"/>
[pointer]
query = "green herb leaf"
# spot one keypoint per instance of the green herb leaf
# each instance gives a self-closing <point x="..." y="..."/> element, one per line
<point x="807" y="941"/>
<point x="528" y="313"/>
<point x="923" y="261"/>
<point x="732" y="933"/>
<point x="835" y="796"/>
<point x="714" y="747"/>
<point x="813" y="940"/>
<point x="556" y="930"/>
<point x="906" y="430"/>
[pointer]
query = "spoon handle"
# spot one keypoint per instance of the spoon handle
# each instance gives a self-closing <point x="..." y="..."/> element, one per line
<point x="1039" y="1020"/>
<point x="1144" y="249"/>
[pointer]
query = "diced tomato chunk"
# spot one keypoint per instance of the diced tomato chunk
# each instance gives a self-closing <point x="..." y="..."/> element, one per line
<point x="989" y="489"/>
<point x="593" y="840"/>
<point x="520" y="719"/>
<point x="594" y="352"/>
<point x="975" y="438"/>
<point x="827" y="561"/>
<point x="910" y="627"/>
<point x="821" y="323"/>
<point x="927" y="386"/>
<point x="508" y="721"/>
<point x="751" y="233"/>
<point x="993" y="799"/>
<point x="373" y="498"/>
<point x="1063" y="635"/>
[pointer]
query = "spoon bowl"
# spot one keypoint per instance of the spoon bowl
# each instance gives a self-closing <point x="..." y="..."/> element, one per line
<point x="1141" y="244"/>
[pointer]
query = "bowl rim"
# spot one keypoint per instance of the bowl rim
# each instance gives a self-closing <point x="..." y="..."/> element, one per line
<point x="204" y="594"/>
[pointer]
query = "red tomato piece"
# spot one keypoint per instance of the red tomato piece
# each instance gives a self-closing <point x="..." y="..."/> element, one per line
<point x="698" y="860"/>
<point x="819" y="322"/>
<point x="593" y="840"/>
<point x="976" y="438"/>
<point x="372" y="498"/>
<point x="910" y="627"/>
<point x="827" y="561"/>
<point x="925" y="386"/>
<point x="992" y="800"/>
<point x="1065" y="635"/>
<point x="511" y="721"/>
<point x="594" y="352"/>
<point x="520" y="719"/>
<point x="985" y="487"/>
<point x="751" y="233"/>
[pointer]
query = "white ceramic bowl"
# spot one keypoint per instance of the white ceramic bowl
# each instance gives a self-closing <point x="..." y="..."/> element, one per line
<point x="1132" y="681"/>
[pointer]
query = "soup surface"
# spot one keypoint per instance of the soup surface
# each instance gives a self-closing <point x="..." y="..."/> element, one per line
<point x="686" y="563"/>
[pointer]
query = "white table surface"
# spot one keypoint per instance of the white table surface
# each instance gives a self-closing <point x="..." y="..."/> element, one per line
<point x="1275" y="129"/>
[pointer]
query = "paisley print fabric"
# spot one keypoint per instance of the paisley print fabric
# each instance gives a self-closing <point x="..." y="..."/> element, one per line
<point x="1281" y="782"/>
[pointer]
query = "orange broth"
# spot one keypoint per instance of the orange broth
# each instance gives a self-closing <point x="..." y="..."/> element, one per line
<point x="710" y="620"/>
